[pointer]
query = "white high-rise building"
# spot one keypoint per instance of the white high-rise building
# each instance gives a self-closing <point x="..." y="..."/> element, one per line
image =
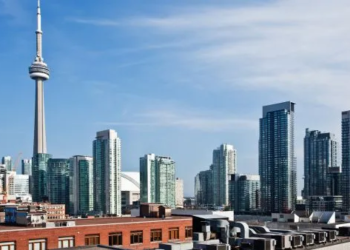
<point x="224" y="164"/>
<point x="179" y="192"/>
<point x="107" y="172"/>
<point x="18" y="185"/>
<point x="81" y="185"/>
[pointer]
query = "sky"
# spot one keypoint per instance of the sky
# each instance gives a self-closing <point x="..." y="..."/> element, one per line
<point x="174" y="78"/>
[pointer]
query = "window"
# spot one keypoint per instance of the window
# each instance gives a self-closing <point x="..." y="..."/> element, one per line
<point x="91" y="240"/>
<point x="37" y="244"/>
<point x="174" y="233"/>
<point x="156" y="235"/>
<point x="136" y="237"/>
<point x="115" y="239"/>
<point x="188" y="232"/>
<point x="65" y="242"/>
<point x="7" y="245"/>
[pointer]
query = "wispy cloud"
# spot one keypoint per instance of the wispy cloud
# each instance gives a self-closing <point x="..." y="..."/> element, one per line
<point x="14" y="9"/>
<point x="298" y="48"/>
<point x="96" y="22"/>
<point x="185" y="119"/>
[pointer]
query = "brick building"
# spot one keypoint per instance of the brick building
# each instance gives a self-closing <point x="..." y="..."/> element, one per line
<point x="134" y="233"/>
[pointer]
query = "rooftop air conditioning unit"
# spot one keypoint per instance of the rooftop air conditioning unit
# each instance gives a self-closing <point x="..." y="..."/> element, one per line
<point x="320" y="237"/>
<point x="254" y="243"/>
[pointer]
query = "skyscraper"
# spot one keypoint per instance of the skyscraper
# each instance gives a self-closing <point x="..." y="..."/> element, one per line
<point x="204" y="188"/>
<point x="6" y="160"/>
<point x="157" y="180"/>
<point x="245" y="192"/>
<point x="58" y="181"/>
<point x="39" y="72"/>
<point x="277" y="162"/>
<point x="19" y="185"/>
<point x="320" y="154"/>
<point x="224" y="164"/>
<point x="345" y="138"/>
<point x="27" y="166"/>
<point x="81" y="185"/>
<point x="179" y="192"/>
<point x="107" y="170"/>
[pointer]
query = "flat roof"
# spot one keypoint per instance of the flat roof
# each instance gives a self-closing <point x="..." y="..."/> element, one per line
<point x="97" y="222"/>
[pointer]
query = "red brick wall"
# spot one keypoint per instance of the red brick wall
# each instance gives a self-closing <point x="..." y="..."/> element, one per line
<point x="21" y="237"/>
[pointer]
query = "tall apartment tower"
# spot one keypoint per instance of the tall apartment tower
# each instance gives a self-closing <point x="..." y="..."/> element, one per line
<point x="157" y="180"/>
<point x="58" y="182"/>
<point x="277" y="162"/>
<point x="203" y="188"/>
<point x="179" y="192"/>
<point x="7" y="161"/>
<point x="320" y="154"/>
<point x="245" y="192"/>
<point x="81" y="185"/>
<point x="224" y="164"/>
<point x="345" y="138"/>
<point x="107" y="172"/>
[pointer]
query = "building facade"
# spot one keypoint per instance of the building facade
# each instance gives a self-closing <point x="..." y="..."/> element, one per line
<point x="179" y="192"/>
<point x="320" y="154"/>
<point x="39" y="177"/>
<point x="157" y="180"/>
<point x="204" y="189"/>
<point x="224" y="164"/>
<point x="7" y="161"/>
<point x="81" y="185"/>
<point x="277" y="162"/>
<point x="19" y="185"/>
<point x="345" y="139"/>
<point x="107" y="172"/>
<point x="27" y="166"/>
<point x="58" y="182"/>
<point x="245" y="193"/>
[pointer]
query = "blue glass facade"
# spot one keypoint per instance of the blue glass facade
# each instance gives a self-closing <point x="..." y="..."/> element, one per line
<point x="346" y="160"/>
<point x="277" y="162"/>
<point x="39" y="176"/>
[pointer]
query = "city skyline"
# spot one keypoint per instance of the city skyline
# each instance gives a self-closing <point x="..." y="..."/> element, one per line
<point x="230" y="116"/>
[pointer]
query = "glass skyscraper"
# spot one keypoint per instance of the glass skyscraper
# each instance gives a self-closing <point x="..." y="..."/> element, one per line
<point x="245" y="193"/>
<point x="224" y="164"/>
<point x="6" y="160"/>
<point x="39" y="176"/>
<point x="81" y="185"/>
<point x="204" y="188"/>
<point x="277" y="162"/>
<point x="58" y="181"/>
<point x="345" y="138"/>
<point x="107" y="172"/>
<point x="27" y="166"/>
<point x="157" y="180"/>
<point x="320" y="154"/>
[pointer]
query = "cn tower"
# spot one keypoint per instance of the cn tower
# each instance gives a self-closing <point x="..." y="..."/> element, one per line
<point x="39" y="72"/>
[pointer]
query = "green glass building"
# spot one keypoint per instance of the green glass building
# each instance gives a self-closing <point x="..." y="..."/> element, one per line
<point x="58" y="181"/>
<point x="81" y="188"/>
<point x="39" y="176"/>
<point x="157" y="180"/>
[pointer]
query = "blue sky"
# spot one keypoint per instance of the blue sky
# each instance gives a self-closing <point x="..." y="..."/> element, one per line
<point x="173" y="78"/>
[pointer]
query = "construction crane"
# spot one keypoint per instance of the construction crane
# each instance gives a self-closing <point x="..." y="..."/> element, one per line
<point x="6" y="185"/>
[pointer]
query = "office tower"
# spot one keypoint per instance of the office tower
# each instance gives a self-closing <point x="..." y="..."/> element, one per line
<point x="130" y="189"/>
<point x="39" y="72"/>
<point x="6" y="160"/>
<point x="81" y="185"/>
<point x="345" y="138"/>
<point x="157" y="180"/>
<point x="27" y="166"/>
<point x="58" y="181"/>
<point x="334" y="176"/>
<point x="204" y="189"/>
<point x="245" y="192"/>
<point x="179" y="192"/>
<point x="19" y="185"/>
<point x="320" y="154"/>
<point x="277" y="162"/>
<point x="224" y="164"/>
<point x="107" y="169"/>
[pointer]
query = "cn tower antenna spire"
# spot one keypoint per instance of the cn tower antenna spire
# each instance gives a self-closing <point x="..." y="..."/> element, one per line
<point x="39" y="72"/>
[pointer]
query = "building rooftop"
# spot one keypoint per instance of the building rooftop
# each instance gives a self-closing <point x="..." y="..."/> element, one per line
<point x="99" y="221"/>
